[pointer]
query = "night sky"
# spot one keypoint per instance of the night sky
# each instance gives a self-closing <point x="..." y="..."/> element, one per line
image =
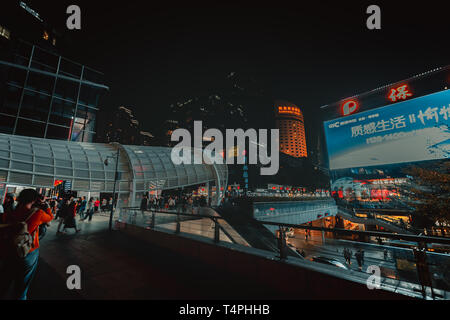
<point x="311" y="54"/>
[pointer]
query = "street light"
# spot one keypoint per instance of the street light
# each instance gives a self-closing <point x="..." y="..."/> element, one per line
<point x="114" y="188"/>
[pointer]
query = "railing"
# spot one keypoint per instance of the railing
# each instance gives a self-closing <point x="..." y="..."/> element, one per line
<point x="204" y="222"/>
<point x="397" y="223"/>
<point x="405" y="267"/>
<point x="414" y="263"/>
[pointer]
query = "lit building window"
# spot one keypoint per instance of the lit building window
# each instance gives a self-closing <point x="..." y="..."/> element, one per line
<point x="45" y="36"/>
<point x="5" y="33"/>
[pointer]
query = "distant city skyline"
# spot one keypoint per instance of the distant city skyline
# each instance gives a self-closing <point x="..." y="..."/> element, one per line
<point x="310" y="54"/>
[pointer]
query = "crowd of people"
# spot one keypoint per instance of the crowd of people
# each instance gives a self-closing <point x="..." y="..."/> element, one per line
<point x="19" y="250"/>
<point x="359" y="256"/>
<point x="184" y="203"/>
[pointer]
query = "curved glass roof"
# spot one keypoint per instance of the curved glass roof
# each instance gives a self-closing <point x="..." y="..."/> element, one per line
<point x="39" y="162"/>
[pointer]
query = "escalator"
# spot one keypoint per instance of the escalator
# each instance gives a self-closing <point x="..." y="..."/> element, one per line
<point x="253" y="231"/>
<point x="350" y="215"/>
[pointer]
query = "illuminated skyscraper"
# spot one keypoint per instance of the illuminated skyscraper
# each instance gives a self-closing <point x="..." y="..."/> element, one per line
<point x="290" y="122"/>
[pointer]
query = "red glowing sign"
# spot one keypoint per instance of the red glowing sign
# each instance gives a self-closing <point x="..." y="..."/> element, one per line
<point x="349" y="107"/>
<point x="400" y="93"/>
<point x="57" y="183"/>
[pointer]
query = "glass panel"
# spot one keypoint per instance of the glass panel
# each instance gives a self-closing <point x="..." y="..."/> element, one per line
<point x="82" y="173"/>
<point x="43" y="169"/>
<point x="81" y="165"/>
<point x="21" y="156"/>
<point x="30" y="128"/>
<point x="64" y="172"/>
<point x="67" y="90"/>
<point x="90" y="120"/>
<point x="22" y="53"/>
<point x="69" y="68"/>
<point x="77" y="132"/>
<point x="96" y="166"/>
<point x="4" y="163"/>
<point x="10" y="104"/>
<point x="92" y="76"/>
<point x="88" y="136"/>
<point x="7" y="124"/>
<point x="62" y="112"/>
<point x="54" y="132"/>
<point x="16" y="76"/>
<point x="97" y="175"/>
<point x="63" y="163"/>
<point x="22" y="166"/>
<point x="43" y="60"/>
<point x="35" y="106"/>
<point x="42" y="160"/>
<point x="40" y="82"/>
<point x="89" y="95"/>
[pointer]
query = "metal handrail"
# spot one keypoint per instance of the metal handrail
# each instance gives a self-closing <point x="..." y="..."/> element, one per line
<point x="406" y="237"/>
<point x="194" y="215"/>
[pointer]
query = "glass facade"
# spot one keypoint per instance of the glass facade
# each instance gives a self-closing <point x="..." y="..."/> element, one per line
<point x="38" y="163"/>
<point x="45" y="95"/>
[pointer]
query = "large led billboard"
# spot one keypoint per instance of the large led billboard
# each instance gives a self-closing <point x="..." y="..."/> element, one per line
<point x="413" y="130"/>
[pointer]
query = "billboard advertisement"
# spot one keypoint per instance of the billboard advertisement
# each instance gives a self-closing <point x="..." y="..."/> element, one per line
<point x="408" y="131"/>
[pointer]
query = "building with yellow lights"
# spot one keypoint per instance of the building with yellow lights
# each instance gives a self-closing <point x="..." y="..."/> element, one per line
<point x="290" y="122"/>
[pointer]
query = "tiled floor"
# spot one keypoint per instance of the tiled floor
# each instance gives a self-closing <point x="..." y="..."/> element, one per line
<point x="115" y="267"/>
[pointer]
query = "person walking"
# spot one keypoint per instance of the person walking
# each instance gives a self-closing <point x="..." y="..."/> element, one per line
<point x="90" y="210"/>
<point x="9" y="205"/>
<point x="69" y="220"/>
<point x="171" y="203"/>
<point x="104" y="203"/>
<point x="153" y="203"/>
<point x="345" y="253"/>
<point x="189" y="203"/>
<point x="144" y="205"/>
<point x="62" y="213"/>
<point x="96" y="205"/>
<point x="19" y="271"/>
<point x="358" y="257"/>
<point x="161" y="202"/>
<point x="82" y="209"/>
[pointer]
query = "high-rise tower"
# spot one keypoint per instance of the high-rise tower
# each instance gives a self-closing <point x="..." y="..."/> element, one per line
<point x="290" y="122"/>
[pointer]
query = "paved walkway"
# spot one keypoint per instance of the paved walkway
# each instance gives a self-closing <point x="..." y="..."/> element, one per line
<point x="114" y="266"/>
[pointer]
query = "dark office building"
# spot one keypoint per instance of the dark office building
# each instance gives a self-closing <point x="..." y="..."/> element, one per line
<point x="121" y="126"/>
<point x="43" y="94"/>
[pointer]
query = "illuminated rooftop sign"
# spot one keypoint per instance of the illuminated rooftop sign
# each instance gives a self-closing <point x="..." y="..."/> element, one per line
<point x="289" y="110"/>
<point x="399" y="93"/>
<point x="349" y="107"/>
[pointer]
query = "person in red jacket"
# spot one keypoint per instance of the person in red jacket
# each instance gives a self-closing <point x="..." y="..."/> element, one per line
<point x="97" y="204"/>
<point x="21" y="271"/>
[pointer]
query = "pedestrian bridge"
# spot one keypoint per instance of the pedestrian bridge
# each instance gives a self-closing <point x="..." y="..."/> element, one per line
<point x="294" y="212"/>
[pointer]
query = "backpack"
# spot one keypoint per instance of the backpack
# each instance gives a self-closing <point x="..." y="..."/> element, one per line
<point x="19" y="241"/>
